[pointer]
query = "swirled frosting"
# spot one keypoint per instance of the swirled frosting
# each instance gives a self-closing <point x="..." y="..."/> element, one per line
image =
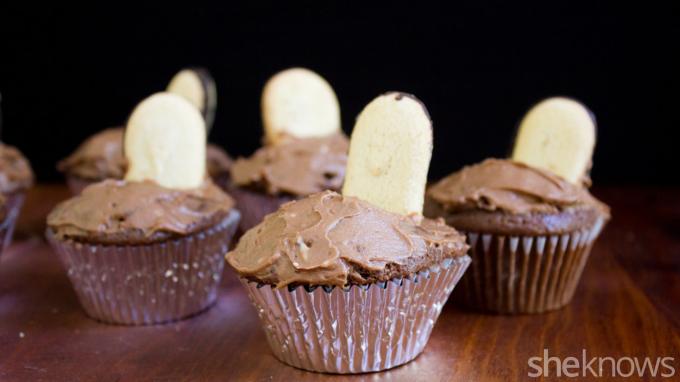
<point x="120" y="212"/>
<point x="98" y="157"/>
<point x="331" y="240"/>
<point x="513" y="198"/>
<point x="509" y="186"/>
<point x="296" y="166"/>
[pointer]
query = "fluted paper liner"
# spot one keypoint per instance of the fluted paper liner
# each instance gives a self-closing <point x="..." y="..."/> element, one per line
<point x="148" y="284"/>
<point x="13" y="203"/>
<point x="358" y="329"/>
<point x="525" y="274"/>
<point x="254" y="206"/>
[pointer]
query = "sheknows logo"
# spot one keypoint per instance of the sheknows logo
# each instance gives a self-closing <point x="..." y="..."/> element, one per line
<point x="600" y="367"/>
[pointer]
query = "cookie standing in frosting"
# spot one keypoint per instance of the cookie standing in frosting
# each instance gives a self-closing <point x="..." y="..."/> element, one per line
<point x="142" y="209"/>
<point x="101" y="157"/>
<point x="149" y="249"/>
<point x="299" y="103"/>
<point x="305" y="150"/>
<point x="198" y="87"/>
<point x="333" y="240"/>
<point x="345" y="262"/>
<point x="557" y="134"/>
<point x="540" y="190"/>
<point x="530" y="220"/>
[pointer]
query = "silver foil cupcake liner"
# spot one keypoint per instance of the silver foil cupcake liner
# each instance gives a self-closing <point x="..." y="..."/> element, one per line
<point x="148" y="284"/>
<point x="357" y="329"/>
<point x="13" y="203"/>
<point x="525" y="274"/>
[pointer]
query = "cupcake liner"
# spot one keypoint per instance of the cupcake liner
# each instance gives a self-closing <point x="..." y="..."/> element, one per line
<point x="77" y="185"/>
<point x="525" y="274"/>
<point x="13" y="203"/>
<point x="148" y="284"/>
<point x="357" y="329"/>
<point x="254" y="206"/>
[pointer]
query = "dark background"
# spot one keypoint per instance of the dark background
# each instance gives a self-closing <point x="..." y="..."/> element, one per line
<point x="66" y="73"/>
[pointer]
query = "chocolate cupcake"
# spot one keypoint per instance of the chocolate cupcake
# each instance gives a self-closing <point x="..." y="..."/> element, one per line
<point x="305" y="150"/>
<point x="15" y="178"/>
<point x="150" y="248"/>
<point x="101" y="156"/>
<point x="354" y="283"/>
<point x="530" y="230"/>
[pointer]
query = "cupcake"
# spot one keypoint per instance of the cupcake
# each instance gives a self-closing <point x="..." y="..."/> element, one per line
<point x="15" y="178"/>
<point x="149" y="248"/>
<point x="529" y="220"/>
<point x="305" y="150"/>
<point x="101" y="155"/>
<point x="354" y="283"/>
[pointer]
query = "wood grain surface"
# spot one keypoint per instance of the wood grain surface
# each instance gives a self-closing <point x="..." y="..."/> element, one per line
<point x="627" y="304"/>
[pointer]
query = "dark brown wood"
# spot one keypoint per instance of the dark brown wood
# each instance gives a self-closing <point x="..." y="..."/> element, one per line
<point x="628" y="304"/>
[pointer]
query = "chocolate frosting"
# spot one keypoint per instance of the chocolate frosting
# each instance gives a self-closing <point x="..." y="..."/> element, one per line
<point x="509" y="197"/>
<point x="509" y="186"/>
<point x="98" y="157"/>
<point x="101" y="157"/>
<point x="120" y="212"/>
<point x="217" y="162"/>
<point x="296" y="166"/>
<point x="15" y="170"/>
<point x="330" y="240"/>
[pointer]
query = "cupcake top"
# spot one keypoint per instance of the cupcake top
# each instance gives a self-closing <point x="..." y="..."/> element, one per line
<point x="101" y="157"/>
<point x="375" y="231"/>
<point x="330" y="240"/>
<point x="15" y="170"/>
<point x="297" y="166"/>
<point x="98" y="157"/>
<point x="512" y="196"/>
<point x="305" y="149"/>
<point x="122" y="212"/>
<point x="165" y="194"/>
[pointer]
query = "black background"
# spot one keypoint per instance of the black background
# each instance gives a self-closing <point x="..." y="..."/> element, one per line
<point x="67" y="72"/>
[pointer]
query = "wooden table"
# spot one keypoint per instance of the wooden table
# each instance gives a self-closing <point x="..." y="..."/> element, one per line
<point x="627" y="304"/>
